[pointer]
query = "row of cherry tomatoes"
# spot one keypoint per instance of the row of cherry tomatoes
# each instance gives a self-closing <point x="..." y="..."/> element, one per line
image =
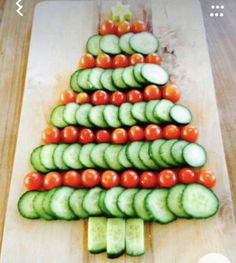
<point x="118" y="61"/>
<point x="151" y="132"/>
<point x="128" y="179"/>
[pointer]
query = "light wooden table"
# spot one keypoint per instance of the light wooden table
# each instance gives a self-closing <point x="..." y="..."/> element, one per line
<point x="14" y="44"/>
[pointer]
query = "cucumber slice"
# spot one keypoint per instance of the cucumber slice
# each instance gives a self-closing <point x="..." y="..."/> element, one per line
<point x="106" y="80"/>
<point x="60" y="203"/>
<point x="76" y="203"/>
<point x="47" y="202"/>
<point x="117" y="78"/>
<point x="154" y="152"/>
<point x="111" y="116"/>
<point x="83" y="79"/>
<point x="57" y="117"/>
<point x="58" y="157"/>
<point x="181" y="114"/>
<point x="111" y="157"/>
<point x="122" y="158"/>
<point x="129" y="79"/>
<point x="162" y="111"/>
<point x="38" y="206"/>
<point x="25" y="205"/>
<point x="90" y="202"/>
<point x="165" y="152"/>
<point x="125" y="115"/>
<point x="138" y="111"/>
<point x="46" y="156"/>
<point x="174" y="200"/>
<point x="97" y="238"/>
<point x="124" y="43"/>
<point x="125" y="202"/>
<point x="96" y="116"/>
<point x="134" y="237"/>
<point x="177" y="151"/>
<point x="138" y="73"/>
<point x="115" y="237"/>
<point x="155" y="74"/>
<point x="199" y="201"/>
<point x="93" y="45"/>
<point x="36" y="161"/>
<point x="71" y="156"/>
<point x="94" y="78"/>
<point x="149" y="111"/>
<point x="139" y="205"/>
<point x="110" y="201"/>
<point x="82" y="115"/>
<point x="74" y="81"/>
<point x="101" y="203"/>
<point x="146" y="158"/>
<point x="85" y="155"/>
<point x="195" y="155"/>
<point x="110" y="44"/>
<point x="156" y="204"/>
<point x="98" y="153"/>
<point x="70" y="113"/>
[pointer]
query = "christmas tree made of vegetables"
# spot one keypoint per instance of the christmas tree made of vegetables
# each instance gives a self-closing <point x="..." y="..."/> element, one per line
<point x="115" y="141"/>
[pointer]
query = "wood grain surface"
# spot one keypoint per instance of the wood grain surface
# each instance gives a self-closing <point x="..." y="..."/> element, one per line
<point x="14" y="36"/>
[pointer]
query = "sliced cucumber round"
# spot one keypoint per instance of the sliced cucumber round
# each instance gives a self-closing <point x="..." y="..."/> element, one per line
<point x="181" y="114"/>
<point x="154" y="74"/>
<point x="57" y="117"/>
<point x="124" y="43"/>
<point x="110" y="201"/>
<point x="74" y="81"/>
<point x="95" y="77"/>
<point x="82" y="115"/>
<point x="195" y="155"/>
<point x="110" y="44"/>
<point x="85" y="155"/>
<point x="93" y="45"/>
<point x="69" y="113"/>
<point x="96" y="116"/>
<point x="26" y="205"/>
<point x="139" y="111"/>
<point x="106" y="80"/>
<point x="111" y="116"/>
<point x="125" y="115"/>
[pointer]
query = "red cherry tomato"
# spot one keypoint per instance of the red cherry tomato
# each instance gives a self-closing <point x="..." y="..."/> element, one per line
<point x="120" y="61"/>
<point x="152" y="92"/>
<point x="136" y="133"/>
<point x="51" y="135"/>
<point x="171" y="132"/>
<point x="187" y="176"/>
<point x="87" y="61"/>
<point x="70" y="134"/>
<point x="82" y="98"/>
<point x="104" y="61"/>
<point x="52" y="180"/>
<point x="171" y="92"/>
<point x="103" y="136"/>
<point x="110" y="179"/>
<point x="139" y="26"/>
<point x="153" y="58"/>
<point x="123" y="27"/>
<point x="72" y="178"/>
<point x="67" y="96"/>
<point x="86" y="135"/>
<point x="119" y="136"/>
<point x="148" y="179"/>
<point x="100" y="97"/>
<point x="129" y="179"/>
<point x="134" y="96"/>
<point x="167" y="178"/>
<point x="90" y="178"/>
<point x="107" y="27"/>
<point x="136" y="59"/>
<point x="33" y="181"/>
<point x="189" y="133"/>
<point x="117" y="98"/>
<point x="152" y="132"/>
<point x="206" y="178"/>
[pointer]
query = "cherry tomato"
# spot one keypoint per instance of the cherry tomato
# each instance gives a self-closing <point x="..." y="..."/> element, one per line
<point x="120" y="61"/>
<point x="104" y="61"/>
<point x="33" y="180"/>
<point x="167" y="178"/>
<point x="100" y="97"/>
<point x="129" y="179"/>
<point x="90" y="178"/>
<point x="110" y="179"/>
<point x="117" y="98"/>
<point x="136" y="59"/>
<point x="189" y="133"/>
<point x="107" y="27"/>
<point x="153" y="58"/>
<point x="86" y="135"/>
<point x="206" y="178"/>
<point x="103" y="136"/>
<point x="139" y="26"/>
<point x="123" y="27"/>
<point x="152" y="92"/>
<point x="171" y="92"/>
<point x="119" y="136"/>
<point x="87" y="61"/>
<point x="136" y="133"/>
<point x="187" y="176"/>
<point x="152" y="132"/>
<point x="148" y="179"/>
<point x="171" y="132"/>
<point x="82" y="98"/>
<point x="51" y="135"/>
<point x="72" y="178"/>
<point x="67" y="96"/>
<point x="70" y="134"/>
<point x="52" y="180"/>
<point x="134" y="96"/>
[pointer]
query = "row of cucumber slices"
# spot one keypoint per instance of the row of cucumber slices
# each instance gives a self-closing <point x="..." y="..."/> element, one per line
<point x="112" y="116"/>
<point x="141" y="155"/>
<point x="118" y="79"/>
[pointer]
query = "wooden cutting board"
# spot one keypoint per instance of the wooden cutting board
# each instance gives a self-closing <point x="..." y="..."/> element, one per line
<point x="59" y="34"/>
